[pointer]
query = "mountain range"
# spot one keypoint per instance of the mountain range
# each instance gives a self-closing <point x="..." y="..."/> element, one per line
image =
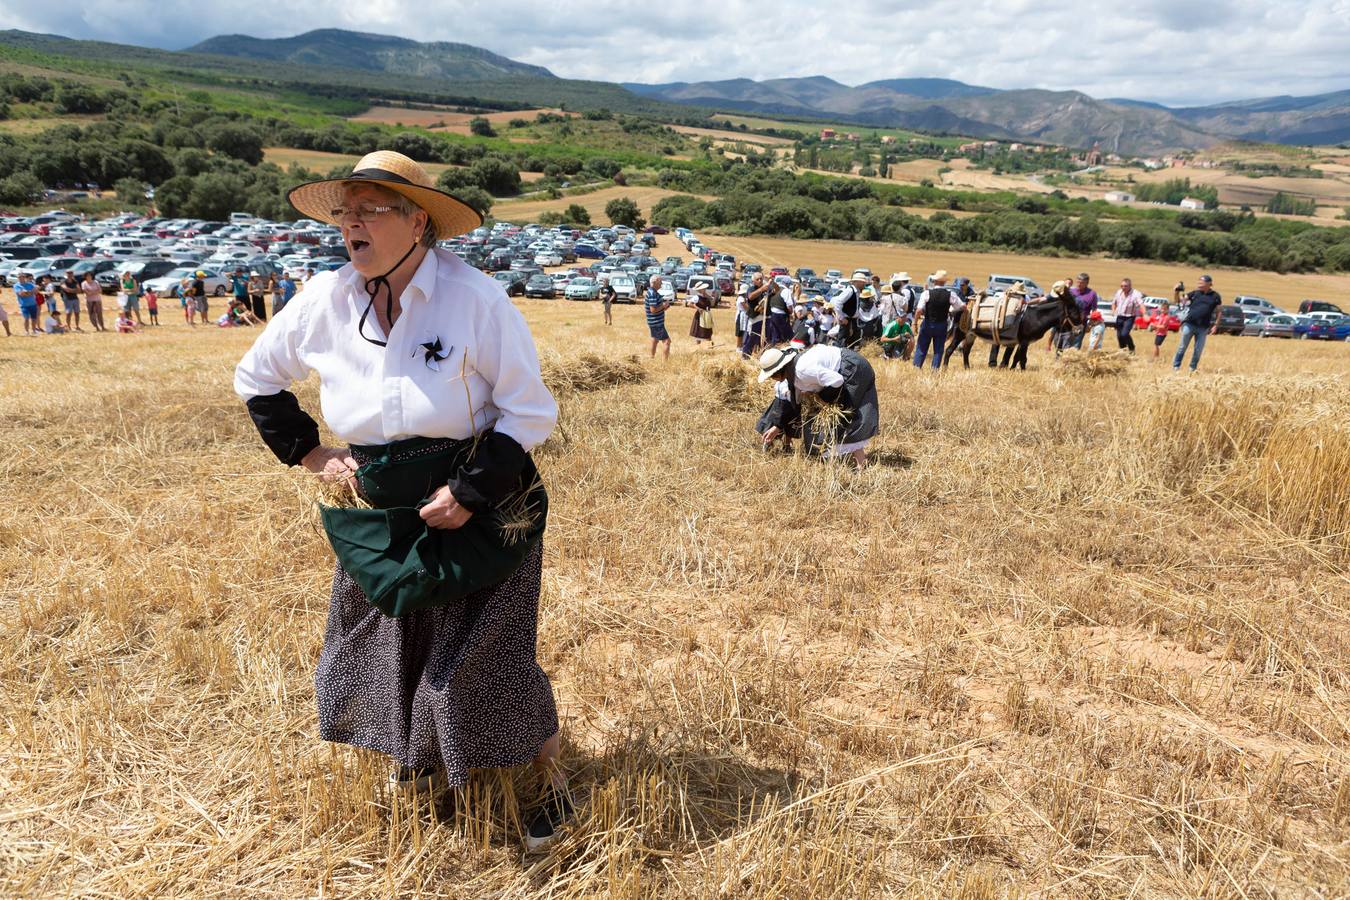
<point x="377" y="66"/>
<point x="374" y="53"/>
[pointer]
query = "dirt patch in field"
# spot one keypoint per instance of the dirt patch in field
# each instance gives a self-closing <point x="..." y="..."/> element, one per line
<point x="763" y="140"/>
<point x="446" y="120"/>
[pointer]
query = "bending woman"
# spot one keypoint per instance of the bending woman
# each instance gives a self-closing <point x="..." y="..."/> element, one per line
<point x="430" y="375"/>
<point x="834" y="376"/>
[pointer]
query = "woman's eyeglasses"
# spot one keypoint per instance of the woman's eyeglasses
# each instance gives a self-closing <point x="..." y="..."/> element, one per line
<point x="363" y="212"/>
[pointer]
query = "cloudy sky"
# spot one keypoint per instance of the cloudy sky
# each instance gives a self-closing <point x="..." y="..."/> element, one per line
<point x="1170" y="51"/>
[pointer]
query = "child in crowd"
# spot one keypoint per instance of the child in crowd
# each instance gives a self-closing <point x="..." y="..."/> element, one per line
<point x="1097" y="328"/>
<point x="152" y="305"/>
<point x="52" y="325"/>
<point x="126" y="324"/>
<point x="1158" y="325"/>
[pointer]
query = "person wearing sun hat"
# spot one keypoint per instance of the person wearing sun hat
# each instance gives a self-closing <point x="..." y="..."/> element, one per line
<point x="931" y="313"/>
<point x="429" y="374"/>
<point x="836" y="376"/>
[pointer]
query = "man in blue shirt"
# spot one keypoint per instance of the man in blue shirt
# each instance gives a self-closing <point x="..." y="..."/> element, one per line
<point x="656" y="308"/>
<point x="25" y="289"/>
<point x="1202" y="315"/>
<point x="239" y="285"/>
<point x="287" y="292"/>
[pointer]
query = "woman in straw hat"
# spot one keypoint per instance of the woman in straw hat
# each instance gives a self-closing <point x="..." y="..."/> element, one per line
<point x="837" y="377"/>
<point x="430" y="375"/>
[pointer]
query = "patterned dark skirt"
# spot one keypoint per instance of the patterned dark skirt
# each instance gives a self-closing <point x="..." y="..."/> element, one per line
<point x="455" y="686"/>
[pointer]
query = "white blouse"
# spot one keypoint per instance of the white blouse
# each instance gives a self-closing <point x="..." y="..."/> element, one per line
<point x="817" y="368"/>
<point x="488" y="373"/>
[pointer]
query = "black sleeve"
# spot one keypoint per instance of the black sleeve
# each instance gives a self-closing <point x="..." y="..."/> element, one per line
<point x="782" y="414"/>
<point x="286" y="429"/>
<point x="491" y="474"/>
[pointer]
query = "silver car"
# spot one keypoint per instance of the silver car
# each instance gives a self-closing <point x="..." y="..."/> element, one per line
<point x="1281" y="325"/>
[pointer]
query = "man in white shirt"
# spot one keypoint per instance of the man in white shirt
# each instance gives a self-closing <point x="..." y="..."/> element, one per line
<point x="935" y="307"/>
<point x="1127" y="304"/>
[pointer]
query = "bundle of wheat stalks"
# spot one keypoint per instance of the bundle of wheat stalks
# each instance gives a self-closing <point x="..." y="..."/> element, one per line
<point x="733" y="382"/>
<point x="589" y="372"/>
<point x="1093" y="363"/>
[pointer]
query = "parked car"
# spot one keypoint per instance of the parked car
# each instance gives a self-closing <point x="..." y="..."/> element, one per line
<point x="167" y="285"/>
<point x="1281" y="325"/>
<point x="548" y="258"/>
<point x="1305" y="322"/>
<point x="540" y="286"/>
<point x="1319" y="306"/>
<point x="999" y="284"/>
<point x="1256" y="304"/>
<point x="625" y="288"/>
<point x="512" y="282"/>
<point x="582" y="289"/>
<point x="589" y="251"/>
<point x="1333" y="330"/>
<point x="1230" y="320"/>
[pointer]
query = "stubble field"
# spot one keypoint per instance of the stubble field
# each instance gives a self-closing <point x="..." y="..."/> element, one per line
<point x="1068" y="637"/>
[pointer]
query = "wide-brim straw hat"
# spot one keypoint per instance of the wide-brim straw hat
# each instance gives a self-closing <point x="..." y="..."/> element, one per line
<point x="449" y="215"/>
<point x="939" y="275"/>
<point x="899" y="276"/>
<point x="774" y="361"/>
<point x="860" y="275"/>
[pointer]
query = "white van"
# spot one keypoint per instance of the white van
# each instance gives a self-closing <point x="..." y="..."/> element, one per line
<point x="120" y="246"/>
<point x="205" y="242"/>
<point x="242" y="218"/>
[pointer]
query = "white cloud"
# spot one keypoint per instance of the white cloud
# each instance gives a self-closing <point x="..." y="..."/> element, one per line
<point x="1180" y="53"/>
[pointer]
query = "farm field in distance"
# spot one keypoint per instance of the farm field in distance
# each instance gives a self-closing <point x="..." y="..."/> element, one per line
<point x="1068" y="635"/>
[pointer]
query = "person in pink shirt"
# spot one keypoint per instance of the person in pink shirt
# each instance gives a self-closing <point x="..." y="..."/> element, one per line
<point x="1126" y="304"/>
<point x="93" y="301"/>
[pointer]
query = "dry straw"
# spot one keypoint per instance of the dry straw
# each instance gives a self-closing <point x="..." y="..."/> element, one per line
<point x="1053" y="643"/>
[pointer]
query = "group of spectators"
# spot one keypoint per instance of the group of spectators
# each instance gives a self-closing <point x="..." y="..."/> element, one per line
<point x="912" y="321"/>
<point x="49" y="305"/>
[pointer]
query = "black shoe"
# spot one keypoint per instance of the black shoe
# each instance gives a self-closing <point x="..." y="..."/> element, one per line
<point x="548" y="820"/>
<point x="417" y="780"/>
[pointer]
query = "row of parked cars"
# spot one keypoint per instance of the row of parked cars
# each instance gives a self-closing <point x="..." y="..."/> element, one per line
<point x="1258" y="317"/>
<point x="161" y="252"/>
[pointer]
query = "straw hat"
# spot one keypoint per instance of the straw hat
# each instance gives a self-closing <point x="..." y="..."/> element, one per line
<point x="1058" y="287"/>
<point x="1018" y="288"/>
<point x="773" y="361"/>
<point x="317" y="199"/>
<point x="939" y="275"/>
<point x="860" y="275"/>
<point x="899" y="276"/>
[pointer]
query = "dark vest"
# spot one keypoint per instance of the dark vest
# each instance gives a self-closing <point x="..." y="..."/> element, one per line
<point x="939" y="304"/>
<point x="849" y="306"/>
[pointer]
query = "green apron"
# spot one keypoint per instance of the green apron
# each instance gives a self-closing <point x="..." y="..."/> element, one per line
<point x="401" y="563"/>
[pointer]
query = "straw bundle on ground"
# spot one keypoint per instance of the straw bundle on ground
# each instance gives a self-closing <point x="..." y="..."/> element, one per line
<point x="1093" y="363"/>
<point x="589" y="372"/>
<point x="735" y="383"/>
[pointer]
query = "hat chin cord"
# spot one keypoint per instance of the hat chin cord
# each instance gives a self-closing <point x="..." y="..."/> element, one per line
<point x="373" y="286"/>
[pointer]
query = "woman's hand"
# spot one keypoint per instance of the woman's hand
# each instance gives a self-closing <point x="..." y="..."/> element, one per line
<point x="444" y="511"/>
<point x="332" y="464"/>
<point x="772" y="434"/>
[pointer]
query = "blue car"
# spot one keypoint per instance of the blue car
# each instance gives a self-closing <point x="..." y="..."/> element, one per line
<point x="1334" y="330"/>
<point x="589" y="251"/>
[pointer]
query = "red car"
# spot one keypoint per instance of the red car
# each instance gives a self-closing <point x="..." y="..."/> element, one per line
<point x="778" y="270"/>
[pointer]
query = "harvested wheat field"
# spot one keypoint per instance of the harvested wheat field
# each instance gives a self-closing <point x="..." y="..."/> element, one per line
<point x="445" y="119"/>
<point x="529" y="209"/>
<point x="1082" y="631"/>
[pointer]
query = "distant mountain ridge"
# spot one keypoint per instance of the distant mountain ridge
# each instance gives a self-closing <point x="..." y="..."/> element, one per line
<point x="373" y="52"/>
<point x="376" y="66"/>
